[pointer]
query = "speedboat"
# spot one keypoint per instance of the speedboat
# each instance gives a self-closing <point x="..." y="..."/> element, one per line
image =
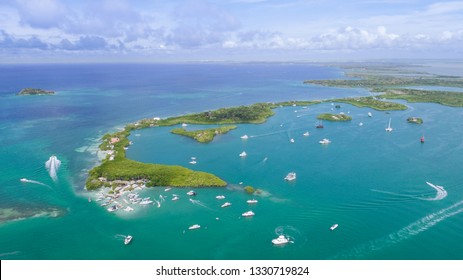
<point x="226" y="204"/>
<point x="291" y="140"/>
<point x="252" y="201"/>
<point x="175" y="198"/>
<point x="248" y="214"/>
<point x="220" y="197"/>
<point x="333" y="227"/>
<point x="306" y="133"/>
<point x="244" y="137"/>
<point x="24" y="180"/>
<point x="369" y="114"/>
<point x="184" y="124"/>
<point x="145" y="201"/>
<point x="324" y="141"/>
<point x="191" y="193"/>
<point x="195" y="226"/>
<point x="128" y="239"/>
<point x="291" y="176"/>
<point x="243" y="154"/>
<point x="280" y="240"/>
<point x="167" y="189"/>
<point x="193" y="162"/>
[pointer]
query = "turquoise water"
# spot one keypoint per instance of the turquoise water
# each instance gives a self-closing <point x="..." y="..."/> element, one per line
<point x="372" y="183"/>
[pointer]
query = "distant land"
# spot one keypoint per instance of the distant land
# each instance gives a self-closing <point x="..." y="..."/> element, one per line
<point x="35" y="91"/>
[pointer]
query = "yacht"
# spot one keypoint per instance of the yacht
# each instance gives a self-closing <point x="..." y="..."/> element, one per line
<point x="306" y="133"/>
<point x="291" y="140"/>
<point x="226" y="204"/>
<point x="243" y="154"/>
<point x="333" y="227"/>
<point x="145" y="201"/>
<point x="128" y="239"/>
<point x="193" y="162"/>
<point x="389" y="128"/>
<point x="175" y="198"/>
<point x="252" y="201"/>
<point x="248" y="214"/>
<point x="280" y="240"/>
<point x="184" y="124"/>
<point x="369" y="114"/>
<point x="324" y="141"/>
<point x="24" y="180"/>
<point x="244" y="137"/>
<point x="167" y="189"/>
<point x="191" y="193"/>
<point x="220" y="197"/>
<point x="194" y="227"/>
<point x="291" y="176"/>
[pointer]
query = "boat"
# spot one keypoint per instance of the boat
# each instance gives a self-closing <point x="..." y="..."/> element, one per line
<point x="193" y="162"/>
<point x="113" y="208"/>
<point x="24" y="180"/>
<point x="280" y="240"/>
<point x="389" y="128"/>
<point x="291" y="140"/>
<point x="252" y="201"/>
<point x="320" y="124"/>
<point x="175" y="198"/>
<point x="245" y="136"/>
<point x="422" y="139"/>
<point x="167" y="189"/>
<point x="145" y="201"/>
<point x="361" y="124"/>
<point x="333" y="227"/>
<point x="226" y="204"/>
<point x="194" y="227"/>
<point x="291" y="176"/>
<point x="369" y="114"/>
<point x="306" y="133"/>
<point x="243" y="154"/>
<point x="128" y="209"/>
<point x="184" y="124"/>
<point x="220" y="197"/>
<point x="324" y="141"/>
<point x="248" y="214"/>
<point x="191" y="193"/>
<point x="128" y="239"/>
<point x="89" y="199"/>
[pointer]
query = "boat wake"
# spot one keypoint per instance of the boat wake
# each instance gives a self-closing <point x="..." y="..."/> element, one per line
<point x="441" y="192"/>
<point x="292" y="233"/>
<point x="405" y="233"/>
<point x="52" y="165"/>
<point x="197" y="202"/>
<point x="24" y="180"/>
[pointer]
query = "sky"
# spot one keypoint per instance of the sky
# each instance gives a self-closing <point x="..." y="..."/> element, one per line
<point x="35" y="31"/>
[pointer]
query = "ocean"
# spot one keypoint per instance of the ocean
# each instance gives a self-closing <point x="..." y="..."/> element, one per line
<point x="373" y="184"/>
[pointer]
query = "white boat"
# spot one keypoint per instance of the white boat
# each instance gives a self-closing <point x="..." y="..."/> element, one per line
<point x="191" y="193"/>
<point x="226" y="204"/>
<point x="252" y="201"/>
<point x="324" y="141"/>
<point x="193" y="162"/>
<point x="333" y="227"/>
<point x="220" y="197"/>
<point x="167" y="189"/>
<point x="389" y="128"/>
<point x="244" y="137"/>
<point x="291" y="176"/>
<point x="175" y="198"/>
<point x="128" y="239"/>
<point x="306" y="133"/>
<point x="113" y="208"/>
<point x="194" y="227"/>
<point x="145" y="201"/>
<point x="291" y="140"/>
<point x="128" y="209"/>
<point x="369" y="114"/>
<point x="184" y="124"/>
<point x="361" y="124"/>
<point x="280" y="240"/>
<point x="24" y="180"/>
<point x="243" y="154"/>
<point x="248" y="214"/>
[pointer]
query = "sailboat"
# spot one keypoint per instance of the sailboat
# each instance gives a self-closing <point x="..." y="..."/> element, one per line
<point x="320" y="124"/>
<point x="389" y="128"/>
<point x="422" y="139"/>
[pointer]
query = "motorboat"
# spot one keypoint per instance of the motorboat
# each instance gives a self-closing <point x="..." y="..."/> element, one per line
<point x="184" y="124"/>
<point x="389" y="128"/>
<point x="422" y="139"/>
<point x="243" y="154"/>
<point x="193" y="162"/>
<point x="175" y="198"/>
<point x="361" y="124"/>
<point x="291" y="140"/>
<point x="220" y="197"/>
<point x="167" y="189"/>
<point x="196" y="226"/>
<point x="324" y="141"/>
<point x="369" y="114"/>
<point x="226" y="204"/>
<point x="113" y="208"/>
<point x="280" y="240"/>
<point x="145" y="201"/>
<point x="244" y="137"/>
<point x="306" y="133"/>
<point x="24" y="180"/>
<point x="128" y="239"/>
<point x="128" y="209"/>
<point x="333" y="227"/>
<point x="291" y="176"/>
<point x="248" y="214"/>
<point x="251" y="201"/>
<point x="319" y="125"/>
<point x="191" y="193"/>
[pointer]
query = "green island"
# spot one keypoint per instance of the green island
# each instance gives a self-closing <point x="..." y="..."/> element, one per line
<point x="447" y="98"/>
<point x="415" y="120"/>
<point x="204" y="135"/>
<point x="372" y="102"/>
<point x="35" y="91"/>
<point x="334" y="117"/>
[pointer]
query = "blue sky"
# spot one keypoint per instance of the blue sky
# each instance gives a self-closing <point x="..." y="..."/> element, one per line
<point x="228" y="30"/>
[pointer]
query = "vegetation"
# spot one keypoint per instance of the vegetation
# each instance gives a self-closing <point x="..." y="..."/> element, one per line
<point x="415" y="120"/>
<point x="35" y="91"/>
<point x="205" y="135"/>
<point x="373" y="103"/>
<point x="293" y="103"/>
<point x="334" y="117"/>
<point x="249" y="189"/>
<point x="448" y="98"/>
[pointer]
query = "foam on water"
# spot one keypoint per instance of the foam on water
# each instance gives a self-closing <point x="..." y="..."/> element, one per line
<point x="52" y="165"/>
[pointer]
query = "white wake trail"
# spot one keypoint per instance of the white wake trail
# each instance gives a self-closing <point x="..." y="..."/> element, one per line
<point x="441" y="192"/>
<point x="52" y="165"/>
<point x="24" y="180"/>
